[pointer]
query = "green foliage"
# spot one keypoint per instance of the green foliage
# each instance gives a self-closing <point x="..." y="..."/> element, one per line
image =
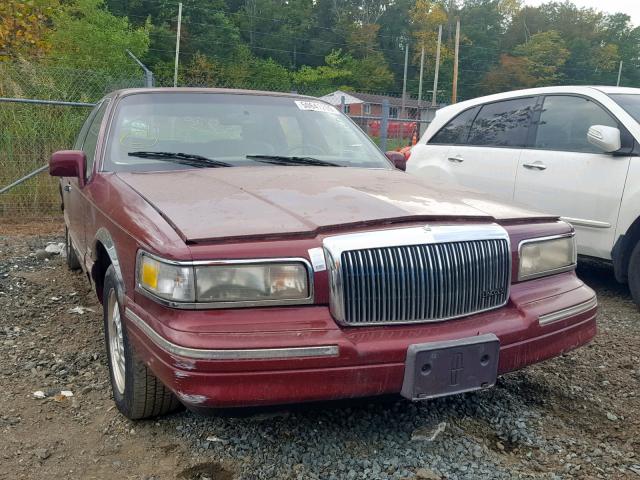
<point x="87" y="36"/>
<point x="544" y="56"/>
<point x="367" y="74"/>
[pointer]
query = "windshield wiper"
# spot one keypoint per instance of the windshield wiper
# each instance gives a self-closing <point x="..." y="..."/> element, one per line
<point x="284" y="160"/>
<point x="189" y="159"/>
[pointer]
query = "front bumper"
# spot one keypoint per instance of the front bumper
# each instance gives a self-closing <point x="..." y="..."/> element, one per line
<point x="270" y="356"/>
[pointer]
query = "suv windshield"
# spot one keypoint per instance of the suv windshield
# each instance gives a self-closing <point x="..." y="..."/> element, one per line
<point x="173" y="130"/>
<point x="629" y="102"/>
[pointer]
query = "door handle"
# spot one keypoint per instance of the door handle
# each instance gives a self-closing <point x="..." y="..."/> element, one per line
<point x="456" y="159"/>
<point x="67" y="188"/>
<point x="535" y="166"/>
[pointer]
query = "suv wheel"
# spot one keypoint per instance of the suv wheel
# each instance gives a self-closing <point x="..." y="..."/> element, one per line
<point x="136" y="391"/>
<point x="72" y="259"/>
<point x="634" y="274"/>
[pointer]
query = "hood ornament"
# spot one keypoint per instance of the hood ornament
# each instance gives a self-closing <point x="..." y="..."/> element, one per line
<point x="427" y="228"/>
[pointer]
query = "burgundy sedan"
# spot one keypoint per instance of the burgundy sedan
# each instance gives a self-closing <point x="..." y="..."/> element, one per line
<point x="256" y="248"/>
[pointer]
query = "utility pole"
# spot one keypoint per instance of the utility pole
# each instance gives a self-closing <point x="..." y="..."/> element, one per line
<point x="175" y="68"/>
<point x="421" y="72"/>
<point x="435" y="77"/>
<point x="619" y="74"/>
<point x="404" y="82"/>
<point x="454" y="93"/>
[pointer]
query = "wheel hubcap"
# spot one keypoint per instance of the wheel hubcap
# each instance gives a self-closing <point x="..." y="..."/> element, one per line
<point x="116" y="342"/>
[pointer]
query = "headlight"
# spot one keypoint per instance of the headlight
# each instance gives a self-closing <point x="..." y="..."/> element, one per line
<point x="546" y="256"/>
<point x="225" y="285"/>
<point x="252" y="283"/>
<point x="168" y="281"/>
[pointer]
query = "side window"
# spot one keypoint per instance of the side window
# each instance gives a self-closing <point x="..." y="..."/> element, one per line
<point x="91" y="140"/>
<point x="455" y="132"/>
<point x="564" y="122"/>
<point x="85" y="127"/>
<point x="503" y="124"/>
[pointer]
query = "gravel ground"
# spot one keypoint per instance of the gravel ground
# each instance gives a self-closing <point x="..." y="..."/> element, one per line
<point x="577" y="416"/>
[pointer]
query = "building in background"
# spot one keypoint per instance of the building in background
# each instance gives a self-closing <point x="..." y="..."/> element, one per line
<point x="370" y="105"/>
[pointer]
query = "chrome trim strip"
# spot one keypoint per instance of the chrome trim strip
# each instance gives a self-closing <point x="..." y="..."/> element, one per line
<point x="548" y="318"/>
<point x="218" y="305"/>
<point x="230" y="354"/>
<point x="436" y="234"/>
<point x="554" y="271"/>
<point x="581" y="222"/>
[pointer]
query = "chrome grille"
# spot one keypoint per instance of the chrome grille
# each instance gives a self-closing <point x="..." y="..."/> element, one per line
<point x="421" y="283"/>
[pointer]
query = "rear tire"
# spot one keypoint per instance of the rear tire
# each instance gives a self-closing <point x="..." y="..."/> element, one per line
<point x="136" y="390"/>
<point x="72" y="259"/>
<point x="634" y="274"/>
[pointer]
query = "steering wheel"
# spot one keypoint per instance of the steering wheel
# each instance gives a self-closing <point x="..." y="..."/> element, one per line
<point x="303" y="150"/>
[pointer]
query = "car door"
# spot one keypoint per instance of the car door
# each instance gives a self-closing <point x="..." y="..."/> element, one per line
<point x="429" y="160"/>
<point x="75" y="201"/>
<point x="72" y="200"/>
<point x="563" y="174"/>
<point x="487" y="159"/>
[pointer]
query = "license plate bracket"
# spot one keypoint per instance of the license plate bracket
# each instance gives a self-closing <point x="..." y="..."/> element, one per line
<point x="438" y="369"/>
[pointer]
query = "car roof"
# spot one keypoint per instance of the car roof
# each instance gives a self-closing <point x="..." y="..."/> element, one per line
<point x="579" y="89"/>
<point x="229" y="91"/>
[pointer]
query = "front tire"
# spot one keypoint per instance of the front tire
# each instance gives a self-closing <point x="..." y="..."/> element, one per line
<point x="634" y="274"/>
<point x="136" y="390"/>
<point x="72" y="258"/>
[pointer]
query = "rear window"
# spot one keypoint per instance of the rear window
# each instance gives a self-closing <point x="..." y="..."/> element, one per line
<point x="503" y="124"/>
<point x="455" y="132"/>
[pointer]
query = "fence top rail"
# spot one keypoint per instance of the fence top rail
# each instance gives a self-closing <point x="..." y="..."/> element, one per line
<point x="46" y="102"/>
<point x="390" y="119"/>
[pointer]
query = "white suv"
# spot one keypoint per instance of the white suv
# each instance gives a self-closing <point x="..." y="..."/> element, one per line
<point x="570" y="151"/>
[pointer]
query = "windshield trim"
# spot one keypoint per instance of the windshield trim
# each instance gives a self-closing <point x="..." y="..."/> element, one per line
<point x="117" y="98"/>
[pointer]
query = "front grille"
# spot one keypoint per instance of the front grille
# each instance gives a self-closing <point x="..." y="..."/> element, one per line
<point x="429" y="282"/>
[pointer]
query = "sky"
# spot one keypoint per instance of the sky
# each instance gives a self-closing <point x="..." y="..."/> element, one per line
<point x="630" y="7"/>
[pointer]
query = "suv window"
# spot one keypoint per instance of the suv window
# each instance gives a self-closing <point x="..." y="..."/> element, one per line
<point x="565" y="120"/>
<point x="91" y="141"/>
<point x="456" y="130"/>
<point x="503" y="124"/>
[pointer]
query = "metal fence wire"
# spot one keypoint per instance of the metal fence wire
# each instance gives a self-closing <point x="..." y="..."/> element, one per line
<point x="42" y="109"/>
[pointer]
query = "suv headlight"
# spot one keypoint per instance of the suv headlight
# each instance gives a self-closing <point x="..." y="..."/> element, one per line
<point x="546" y="256"/>
<point x="226" y="284"/>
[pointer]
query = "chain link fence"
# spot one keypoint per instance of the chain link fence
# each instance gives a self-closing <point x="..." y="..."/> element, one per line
<point x="30" y="132"/>
<point x="32" y="128"/>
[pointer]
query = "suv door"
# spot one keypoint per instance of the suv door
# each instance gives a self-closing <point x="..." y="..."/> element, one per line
<point x="563" y="174"/>
<point x="484" y="155"/>
<point x="75" y="204"/>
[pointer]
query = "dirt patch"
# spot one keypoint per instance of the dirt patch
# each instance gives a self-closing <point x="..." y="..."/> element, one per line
<point x="577" y="416"/>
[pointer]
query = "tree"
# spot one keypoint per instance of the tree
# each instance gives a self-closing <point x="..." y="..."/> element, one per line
<point x="24" y="26"/>
<point x="512" y="72"/>
<point x="545" y="54"/>
<point x="87" y="36"/>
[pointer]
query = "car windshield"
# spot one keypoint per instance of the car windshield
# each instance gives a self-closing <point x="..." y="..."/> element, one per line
<point x="177" y="130"/>
<point x="630" y="102"/>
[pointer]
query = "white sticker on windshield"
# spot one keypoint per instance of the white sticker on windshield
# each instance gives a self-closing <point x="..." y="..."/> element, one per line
<point x="317" y="259"/>
<point x="315" y="106"/>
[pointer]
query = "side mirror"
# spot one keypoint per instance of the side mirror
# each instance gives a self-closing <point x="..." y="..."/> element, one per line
<point x="398" y="160"/>
<point x="68" y="163"/>
<point x="605" y="138"/>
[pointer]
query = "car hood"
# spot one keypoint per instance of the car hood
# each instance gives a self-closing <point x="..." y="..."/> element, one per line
<point x="213" y="204"/>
